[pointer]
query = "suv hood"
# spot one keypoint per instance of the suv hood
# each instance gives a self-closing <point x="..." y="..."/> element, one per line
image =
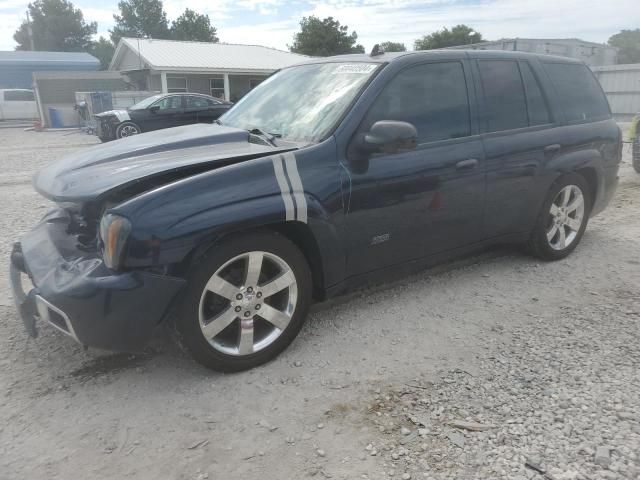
<point x="152" y="158"/>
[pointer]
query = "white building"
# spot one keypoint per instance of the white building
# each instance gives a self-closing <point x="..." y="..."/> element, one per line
<point x="621" y="83"/>
<point x="593" y="54"/>
<point x="223" y="70"/>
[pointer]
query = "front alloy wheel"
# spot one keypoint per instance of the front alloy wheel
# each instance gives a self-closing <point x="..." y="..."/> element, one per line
<point x="127" y="129"/>
<point x="247" y="303"/>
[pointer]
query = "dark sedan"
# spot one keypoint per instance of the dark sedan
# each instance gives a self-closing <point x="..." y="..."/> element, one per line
<point x="160" y="111"/>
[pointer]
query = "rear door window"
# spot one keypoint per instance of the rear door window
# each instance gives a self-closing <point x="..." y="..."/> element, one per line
<point x="536" y="103"/>
<point x="579" y="93"/>
<point x="505" y="100"/>
<point x="432" y="97"/>
<point x="196" y="102"/>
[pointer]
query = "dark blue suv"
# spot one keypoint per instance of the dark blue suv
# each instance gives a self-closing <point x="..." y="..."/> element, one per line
<point x="327" y="175"/>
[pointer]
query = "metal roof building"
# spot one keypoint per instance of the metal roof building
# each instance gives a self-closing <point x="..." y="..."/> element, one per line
<point x="17" y="67"/>
<point x="218" y="69"/>
<point x="593" y="54"/>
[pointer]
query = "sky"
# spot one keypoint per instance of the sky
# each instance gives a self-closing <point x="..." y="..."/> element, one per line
<point x="273" y="22"/>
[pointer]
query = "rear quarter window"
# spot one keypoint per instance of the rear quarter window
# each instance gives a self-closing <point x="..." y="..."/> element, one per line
<point x="579" y="93"/>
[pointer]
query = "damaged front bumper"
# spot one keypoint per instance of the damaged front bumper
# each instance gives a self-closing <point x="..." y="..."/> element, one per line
<point x="76" y="293"/>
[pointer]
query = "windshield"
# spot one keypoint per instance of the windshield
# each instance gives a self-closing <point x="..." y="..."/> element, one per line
<point x="301" y="103"/>
<point x="145" y="103"/>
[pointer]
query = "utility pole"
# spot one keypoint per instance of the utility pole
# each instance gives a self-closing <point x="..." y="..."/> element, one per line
<point x="30" y="32"/>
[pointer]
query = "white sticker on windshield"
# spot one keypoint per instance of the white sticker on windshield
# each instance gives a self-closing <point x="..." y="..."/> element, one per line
<point x="358" y="68"/>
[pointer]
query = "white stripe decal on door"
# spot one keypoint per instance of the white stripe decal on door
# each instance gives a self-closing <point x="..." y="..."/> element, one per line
<point x="284" y="189"/>
<point x="296" y="186"/>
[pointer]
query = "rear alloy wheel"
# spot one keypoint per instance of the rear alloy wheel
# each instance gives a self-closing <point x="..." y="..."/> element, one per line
<point x="566" y="215"/>
<point x="563" y="219"/>
<point x="127" y="129"/>
<point x="245" y="302"/>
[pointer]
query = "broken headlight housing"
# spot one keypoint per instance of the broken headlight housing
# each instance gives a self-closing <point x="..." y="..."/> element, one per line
<point x="114" y="231"/>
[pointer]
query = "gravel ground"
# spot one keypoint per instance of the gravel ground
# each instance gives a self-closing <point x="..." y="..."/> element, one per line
<point x="472" y="370"/>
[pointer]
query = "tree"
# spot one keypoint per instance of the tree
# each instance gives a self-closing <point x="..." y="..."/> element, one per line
<point x="458" y="35"/>
<point x="140" y="18"/>
<point x="322" y="38"/>
<point x="393" y="47"/>
<point x="103" y="50"/>
<point x="628" y="43"/>
<point x="193" y="26"/>
<point x="57" y="26"/>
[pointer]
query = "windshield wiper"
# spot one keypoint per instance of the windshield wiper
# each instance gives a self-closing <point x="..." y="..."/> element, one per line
<point x="268" y="137"/>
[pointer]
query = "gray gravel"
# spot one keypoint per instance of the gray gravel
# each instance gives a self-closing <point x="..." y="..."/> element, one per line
<point x="557" y="394"/>
<point x="489" y="364"/>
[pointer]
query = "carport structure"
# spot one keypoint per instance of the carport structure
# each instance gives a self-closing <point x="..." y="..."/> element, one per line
<point x="222" y="70"/>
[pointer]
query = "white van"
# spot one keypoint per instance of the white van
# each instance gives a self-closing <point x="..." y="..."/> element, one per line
<point x="17" y="104"/>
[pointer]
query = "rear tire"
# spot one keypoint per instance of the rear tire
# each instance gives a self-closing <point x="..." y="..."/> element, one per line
<point x="245" y="301"/>
<point x="127" y="129"/>
<point x="563" y="218"/>
<point x="635" y="154"/>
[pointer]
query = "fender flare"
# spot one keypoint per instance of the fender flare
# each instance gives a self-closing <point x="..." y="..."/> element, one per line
<point x="575" y="162"/>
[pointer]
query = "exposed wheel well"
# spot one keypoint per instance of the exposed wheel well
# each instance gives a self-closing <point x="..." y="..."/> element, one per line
<point x="300" y="234"/>
<point x="296" y="232"/>
<point x="589" y="174"/>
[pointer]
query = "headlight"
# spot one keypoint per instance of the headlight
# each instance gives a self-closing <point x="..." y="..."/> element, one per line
<point x="114" y="231"/>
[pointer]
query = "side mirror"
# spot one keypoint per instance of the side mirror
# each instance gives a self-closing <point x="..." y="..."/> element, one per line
<point x="154" y="108"/>
<point x="389" y="136"/>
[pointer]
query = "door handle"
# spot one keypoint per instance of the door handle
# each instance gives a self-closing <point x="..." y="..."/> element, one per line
<point x="552" y="148"/>
<point x="467" y="164"/>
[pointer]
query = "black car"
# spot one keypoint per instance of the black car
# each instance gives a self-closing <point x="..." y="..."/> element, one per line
<point x="329" y="174"/>
<point x="160" y="111"/>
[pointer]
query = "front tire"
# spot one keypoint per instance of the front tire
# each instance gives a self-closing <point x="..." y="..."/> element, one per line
<point x="563" y="219"/>
<point x="245" y="302"/>
<point x="127" y="129"/>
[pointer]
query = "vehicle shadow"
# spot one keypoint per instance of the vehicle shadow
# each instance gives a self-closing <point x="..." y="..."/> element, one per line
<point x="111" y="363"/>
<point x="164" y="354"/>
<point x="397" y="279"/>
<point x="164" y="350"/>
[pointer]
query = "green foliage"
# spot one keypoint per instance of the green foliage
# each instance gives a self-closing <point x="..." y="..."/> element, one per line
<point x="393" y="47"/>
<point x="193" y="26"/>
<point x="103" y="50"/>
<point x="57" y="26"/>
<point x="458" y="35"/>
<point x="628" y="43"/>
<point x="140" y="18"/>
<point x="322" y="38"/>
